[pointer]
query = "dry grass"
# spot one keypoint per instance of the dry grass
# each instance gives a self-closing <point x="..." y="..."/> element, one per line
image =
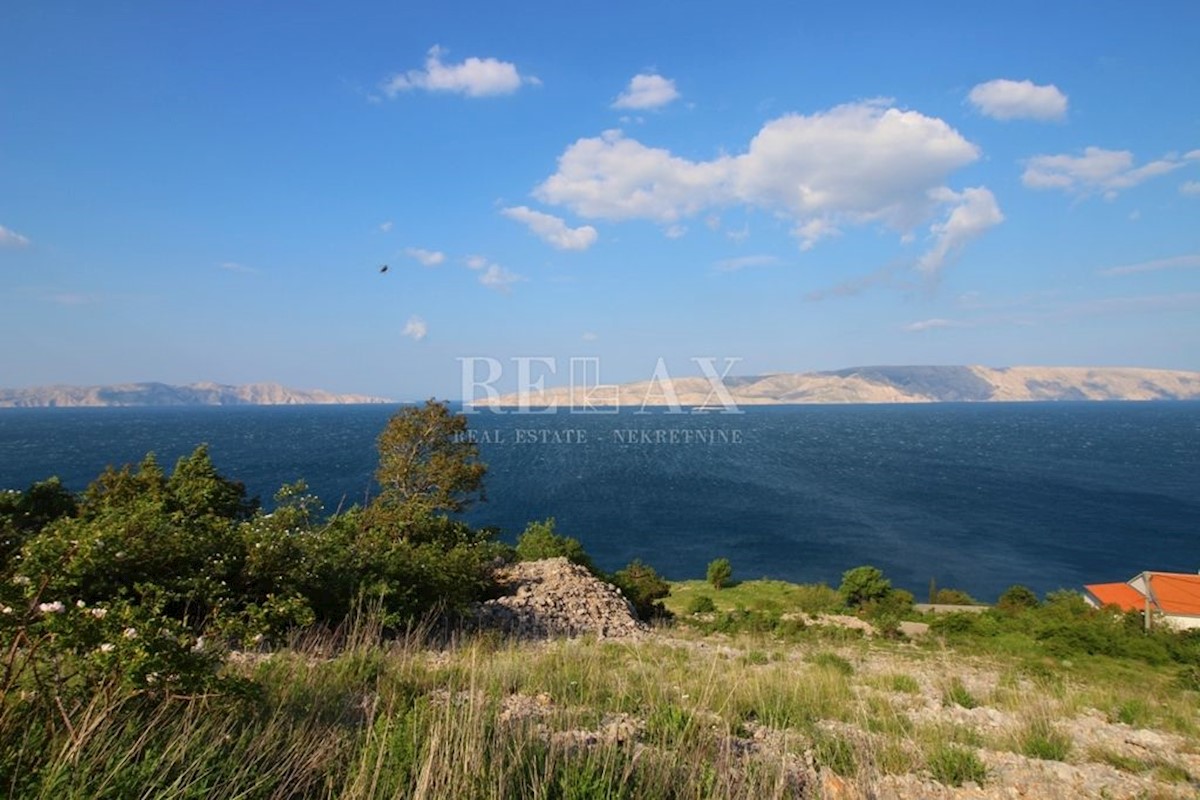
<point x="681" y="717"/>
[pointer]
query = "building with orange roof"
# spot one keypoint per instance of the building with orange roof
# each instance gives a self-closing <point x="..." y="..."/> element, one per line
<point x="1173" y="597"/>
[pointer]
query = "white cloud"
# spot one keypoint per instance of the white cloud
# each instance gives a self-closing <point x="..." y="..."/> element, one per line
<point x="588" y="336"/>
<point x="492" y="275"/>
<point x="972" y="211"/>
<point x="675" y="231"/>
<point x="1190" y="188"/>
<point x="10" y="238"/>
<point x="741" y="262"/>
<point x="498" y="278"/>
<point x="552" y="229"/>
<point x="1177" y="262"/>
<point x="855" y="164"/>
<point x="933" y="324"/>
<point x="385" y="226"/>
<point x="427" y="258"/>
<point x="647" y="90"/>
<point x="1097" y="170"/>
<point x="611" y="177"/>
<point x="415" y="329"/>
<point x="474" y="77"/>
<point x="1004" y="100"/>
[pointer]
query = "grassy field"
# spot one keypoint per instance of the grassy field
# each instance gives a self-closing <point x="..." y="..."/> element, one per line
<point x="672" y="714"/>
<point x="768" y="596"/>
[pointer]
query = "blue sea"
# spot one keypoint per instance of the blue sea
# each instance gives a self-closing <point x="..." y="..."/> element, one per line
<point x="976" y="496"/>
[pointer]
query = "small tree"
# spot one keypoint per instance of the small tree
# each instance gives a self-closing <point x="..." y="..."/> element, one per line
<point x="953" y="597"/>
<point x="863" y="585"/>
<point x="720" y="572"/>
<point x="644" y="587"/>
<point x="1017" y="598"/>
<point x="540" y="540"/>
<point x="427" y="463"/>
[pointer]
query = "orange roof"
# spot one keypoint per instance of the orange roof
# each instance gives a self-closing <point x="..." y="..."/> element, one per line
<point x="1121" y="595"/>
<point x="1176" y="593"/>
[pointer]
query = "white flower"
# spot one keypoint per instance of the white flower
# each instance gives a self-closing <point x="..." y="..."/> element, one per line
<point x="80" y="604"/>
<point x="21" y="580"/>
<point x="5" y="609"/>
<point x="51" y="608"/>
<point x="129" y="633"/>
<point x="107" y="647"/>
<point x="99" y="613"/>
<point x="199" y="645"/>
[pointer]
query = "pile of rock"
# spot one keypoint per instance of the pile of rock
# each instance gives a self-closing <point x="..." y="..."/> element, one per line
<point x="554" y="597"/>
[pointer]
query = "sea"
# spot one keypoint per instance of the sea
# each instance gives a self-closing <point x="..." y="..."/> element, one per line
<point x="973" y="496"/>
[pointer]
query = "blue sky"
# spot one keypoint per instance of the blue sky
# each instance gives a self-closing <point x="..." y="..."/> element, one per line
<point x="206" y="191"/>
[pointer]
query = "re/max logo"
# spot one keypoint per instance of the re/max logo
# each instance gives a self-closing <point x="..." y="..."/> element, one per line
<point x="585" y="392"/>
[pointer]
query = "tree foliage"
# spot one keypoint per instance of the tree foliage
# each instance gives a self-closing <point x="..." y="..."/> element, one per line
<point x="1016" y="598"/>
<point x="644" y="588"/>
<point x="719" y="573"/>
<point x="427" y="462"/>
<point x="541" y="540"/>
<point x="863" y="585"/>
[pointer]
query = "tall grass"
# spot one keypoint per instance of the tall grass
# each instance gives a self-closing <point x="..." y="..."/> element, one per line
<point x="348" y="714"/>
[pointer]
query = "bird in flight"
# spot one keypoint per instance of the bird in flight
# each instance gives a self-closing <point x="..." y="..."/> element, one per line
<point x="383" y="268"/>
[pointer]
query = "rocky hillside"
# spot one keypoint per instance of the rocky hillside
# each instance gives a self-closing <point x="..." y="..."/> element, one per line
<point x="161" y="394"/>
<point x="917" y="384"/>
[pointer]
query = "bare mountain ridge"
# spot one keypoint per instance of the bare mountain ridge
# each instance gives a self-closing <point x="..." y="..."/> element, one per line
<point x="898" y="384"/>
<point x="161" y="394"/>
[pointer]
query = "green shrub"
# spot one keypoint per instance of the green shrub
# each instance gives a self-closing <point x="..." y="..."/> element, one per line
<point x="720" y="572"/>
<point x="701" y="604"/>
<point x="955" y="623"/>
<point x="953" y="597"/>
<point x="952" y="765"/>
<point x="817" y="598"/>
<point x="863" y="585"/>
<point x="541" y="541"/>
<point x="644" y="588"/>
<point x="1017" y="598"/>
<point x="23" y="514"/>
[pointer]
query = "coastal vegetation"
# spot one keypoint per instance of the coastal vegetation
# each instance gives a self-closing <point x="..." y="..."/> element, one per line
<point x="165" y="635"/>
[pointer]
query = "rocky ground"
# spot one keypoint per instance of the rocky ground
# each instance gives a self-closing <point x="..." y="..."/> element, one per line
<point x="554" y="597"/>
<point x="1105" y="758"/>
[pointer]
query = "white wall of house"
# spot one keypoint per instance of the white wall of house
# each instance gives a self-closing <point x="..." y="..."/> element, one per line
<point x="1181" y="622"/>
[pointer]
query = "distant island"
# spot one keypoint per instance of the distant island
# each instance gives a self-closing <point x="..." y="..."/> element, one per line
<point x="914" y="384"/>
<point x="161" y="394"/>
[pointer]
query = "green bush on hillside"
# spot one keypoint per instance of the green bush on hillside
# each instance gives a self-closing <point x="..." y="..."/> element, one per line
<point x="863" y="585"/>
<point x="644" y="588"/>
<point x="540" y="540"/>
<point x="720" y="573"/>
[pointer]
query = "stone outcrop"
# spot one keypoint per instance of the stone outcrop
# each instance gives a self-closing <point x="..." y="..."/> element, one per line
<point x="554" y="597"/>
